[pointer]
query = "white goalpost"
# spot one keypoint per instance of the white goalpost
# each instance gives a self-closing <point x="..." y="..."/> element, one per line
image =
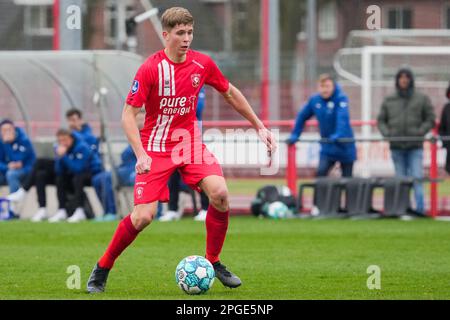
<point x="372" y="70"/>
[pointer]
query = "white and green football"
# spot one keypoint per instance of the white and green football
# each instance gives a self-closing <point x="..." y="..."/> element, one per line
<point x="195" y="275"/>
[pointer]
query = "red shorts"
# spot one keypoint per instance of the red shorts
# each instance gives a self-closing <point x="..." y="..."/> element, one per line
<point x="152" y="186"/>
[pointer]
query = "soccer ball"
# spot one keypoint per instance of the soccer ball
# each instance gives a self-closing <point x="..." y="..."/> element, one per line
<point x="278" y="210"/>
<point x="194" y="275"/>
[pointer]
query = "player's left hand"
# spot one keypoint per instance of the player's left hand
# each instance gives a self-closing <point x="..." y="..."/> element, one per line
<point x="269" y="139"/>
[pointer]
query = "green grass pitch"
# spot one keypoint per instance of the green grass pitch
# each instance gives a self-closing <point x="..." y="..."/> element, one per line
<point x="290" y="259"/>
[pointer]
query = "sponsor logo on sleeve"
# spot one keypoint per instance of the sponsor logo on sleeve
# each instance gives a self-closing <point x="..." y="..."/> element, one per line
<point x="135" y="87"/>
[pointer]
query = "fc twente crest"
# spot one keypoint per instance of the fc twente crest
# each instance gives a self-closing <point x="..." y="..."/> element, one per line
<point x="195" y="80"/>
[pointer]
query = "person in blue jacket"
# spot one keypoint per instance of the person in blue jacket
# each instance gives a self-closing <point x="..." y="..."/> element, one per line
<point x="126" y="174"/>
<point x="102" y="181"/>
<point x="330" y="107"/>
<point x="75" y="121"/>
<point x="75" y="165"/>
<point x="200" y="107"/>
<point x="126" y="170"/>
<point x="43" y="171"/>
<point x="17" y="155"/>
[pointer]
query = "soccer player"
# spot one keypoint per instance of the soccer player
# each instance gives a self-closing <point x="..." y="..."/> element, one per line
<point x="168" y="84"/>
<point x="176" y="185"/>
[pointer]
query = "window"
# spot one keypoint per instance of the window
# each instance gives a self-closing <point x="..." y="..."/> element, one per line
<point x="399" y="18"/>
<point x="110" y="19"/>
<point x="447" y="16"/>
<point x="327" y="17"/>
<point x="38" y="20"/>
<point x="301" y="35"/>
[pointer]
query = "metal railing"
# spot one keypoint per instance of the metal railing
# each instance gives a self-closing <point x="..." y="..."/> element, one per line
<point x="291" y="169"/>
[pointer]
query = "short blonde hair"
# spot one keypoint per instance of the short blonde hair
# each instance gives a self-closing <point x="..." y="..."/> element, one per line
<point x="175" y="16"/>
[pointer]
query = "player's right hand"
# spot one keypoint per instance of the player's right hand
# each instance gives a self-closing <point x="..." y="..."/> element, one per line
<point x="143" y="164"/>
<point x="269" y="139"/>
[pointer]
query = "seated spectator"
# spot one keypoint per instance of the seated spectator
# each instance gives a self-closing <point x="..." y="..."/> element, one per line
<point x="103" y="185"/>
<point x="42" y="174"/>
<point x="75" y="121"/>
<point x="75" y="166"/>
<point x="17" y="155"/>
<point x="126" y="172"/>
<point x="102" y="181"/>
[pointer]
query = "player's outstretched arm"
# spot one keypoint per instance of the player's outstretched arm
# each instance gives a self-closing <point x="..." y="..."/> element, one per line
<point x="132" y="131"/>
<point x="237" y="100"/>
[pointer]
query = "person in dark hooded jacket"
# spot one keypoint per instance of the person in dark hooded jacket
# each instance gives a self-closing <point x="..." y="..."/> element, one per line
<point x="444" y="128"/>
<point x="330" y="107"/>
<point x="17" y="155"/>
<point x="407" y="113"/>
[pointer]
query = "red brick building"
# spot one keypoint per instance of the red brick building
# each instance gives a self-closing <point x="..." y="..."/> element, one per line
<point x="28" y="25"/>
<point x="337" y="18"/>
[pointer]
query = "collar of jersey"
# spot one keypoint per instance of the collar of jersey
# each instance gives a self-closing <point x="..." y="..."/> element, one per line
<point x="177" y="63"/>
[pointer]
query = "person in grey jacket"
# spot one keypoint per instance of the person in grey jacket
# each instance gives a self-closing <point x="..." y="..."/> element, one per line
<point x="407" y="113"/>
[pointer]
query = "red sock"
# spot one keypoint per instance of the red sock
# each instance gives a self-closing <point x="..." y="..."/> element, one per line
<point x="216" y="230"/>
<point x="123" y="237"/>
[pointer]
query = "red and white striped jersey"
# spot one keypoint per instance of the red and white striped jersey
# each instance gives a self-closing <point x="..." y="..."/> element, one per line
<point x="169" y="92"/>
